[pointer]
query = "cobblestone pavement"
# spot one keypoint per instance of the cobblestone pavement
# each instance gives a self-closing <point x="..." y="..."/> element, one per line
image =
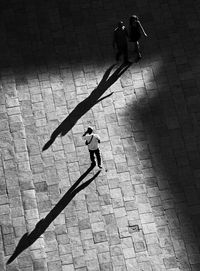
<point x="142" y="211"/>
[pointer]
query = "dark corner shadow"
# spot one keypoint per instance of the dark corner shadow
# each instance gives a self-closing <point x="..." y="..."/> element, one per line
<point x="169" y="124"/>
<point x="88" y="103"/>
<point x="29" y="238"/>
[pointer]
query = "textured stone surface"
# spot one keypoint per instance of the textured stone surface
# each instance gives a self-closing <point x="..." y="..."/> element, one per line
<point x="142" y="211"/>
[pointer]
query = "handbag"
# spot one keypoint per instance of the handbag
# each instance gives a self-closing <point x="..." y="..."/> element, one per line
<point x="88" y="142"/>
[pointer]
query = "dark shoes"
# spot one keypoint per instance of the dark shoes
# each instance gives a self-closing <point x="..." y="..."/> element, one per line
<point x="100" y="166"/>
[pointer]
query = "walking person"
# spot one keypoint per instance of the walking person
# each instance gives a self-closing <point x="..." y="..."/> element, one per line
<point x="120" y="42"/>
<point x="92" y="141"/>
<point x="135" y="29"/>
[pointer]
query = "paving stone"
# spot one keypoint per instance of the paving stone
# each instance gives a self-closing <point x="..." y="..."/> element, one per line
<point x="55" y="265"/>
<point x="170" y="262"/>
<point x="154" y="249"/>
<point x="195" y="267"/>
<point x="193" y="259"/>
<point x="27" y="268"/>
<point x="4" y="209"/>
<point x="7" y="229"/>
<point x="64" y="250"/>
<point x="131" y="264"/>
<point x="139" y="246"/>
<point x="29" y="200"/>
<point x="9" y="249"/>
<point x="183" y="262"/>
<point x="146" y="266"/>
<point x="104" y="257"/>
<point x="8" y="239"/>
<point x="53" y="256"/>
<point x="149" y="228"/>
<point x="92" y="265"/>
<point x="118" y="260"/>
<point x="62" y="239"/>
<point x="13" y="110"/>
<point x="106" y="266"/>
<point x="129" y="253"/>
<point x="78" y="250"/>
<point x="99" y="237"/>
<point x="24" y="261"/>
<point x="79" y="262"/>
<point x="39" y="264"/>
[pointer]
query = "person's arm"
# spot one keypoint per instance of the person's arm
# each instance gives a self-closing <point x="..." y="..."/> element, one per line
<point x="83" y="136"/>
<point x="98" y="138"/>
<point x="126" y="33"/>
<point x="141" y="27"/>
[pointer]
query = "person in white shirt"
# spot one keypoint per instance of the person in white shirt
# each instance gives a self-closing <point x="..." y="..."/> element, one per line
<point x="92" y="141"/>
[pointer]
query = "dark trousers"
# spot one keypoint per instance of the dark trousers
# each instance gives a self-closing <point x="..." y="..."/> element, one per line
<point x="122" y="51"/>
<point x="137" y="48"/>
<point x="92" y="157"/>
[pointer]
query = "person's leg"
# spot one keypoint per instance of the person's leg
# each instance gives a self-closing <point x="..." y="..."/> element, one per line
<point x="118" y="54"/>
<point x="97" y="153"/>
<point x="125" y="54"/>
<point x="92" y="158"/>
<point x="138" y="49"/>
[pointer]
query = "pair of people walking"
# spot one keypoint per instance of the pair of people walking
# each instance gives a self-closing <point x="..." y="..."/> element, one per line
<point x="120" y="41"/>
<point x="121" y="36"/>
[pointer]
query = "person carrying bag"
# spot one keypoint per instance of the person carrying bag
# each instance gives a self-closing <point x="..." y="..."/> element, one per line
<point x="92" y="141"/>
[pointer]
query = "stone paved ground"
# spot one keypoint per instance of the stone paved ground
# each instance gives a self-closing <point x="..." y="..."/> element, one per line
<point x="53" y="55"/>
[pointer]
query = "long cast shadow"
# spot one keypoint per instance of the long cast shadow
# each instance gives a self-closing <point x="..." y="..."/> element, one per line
<point x="88" y="103"/>
<point x="28" y="239"/>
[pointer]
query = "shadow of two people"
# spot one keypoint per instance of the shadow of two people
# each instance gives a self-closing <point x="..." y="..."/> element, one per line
<point x="88" y="103"/>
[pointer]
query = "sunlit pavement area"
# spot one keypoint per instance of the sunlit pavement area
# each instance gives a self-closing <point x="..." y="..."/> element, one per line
<point x="142" y="211"/>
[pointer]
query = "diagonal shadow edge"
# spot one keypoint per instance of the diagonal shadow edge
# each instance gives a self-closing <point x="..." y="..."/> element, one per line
<point x="28" y="239"/>
<point x="88" y="103"/>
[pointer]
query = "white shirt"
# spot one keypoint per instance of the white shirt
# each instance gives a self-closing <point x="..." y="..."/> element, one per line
<point x="94" y="144"/>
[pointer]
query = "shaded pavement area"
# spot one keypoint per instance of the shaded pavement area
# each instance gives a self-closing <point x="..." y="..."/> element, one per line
<point x="57" y="76"/>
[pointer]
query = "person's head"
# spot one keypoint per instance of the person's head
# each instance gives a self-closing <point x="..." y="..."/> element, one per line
<point x="90" y="130"/>
<point x="133" y="18"/>
<point x="120" y="24"/>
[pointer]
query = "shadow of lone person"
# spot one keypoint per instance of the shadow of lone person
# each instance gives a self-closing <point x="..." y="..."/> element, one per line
<point x="88" y="103"/>
<point x="28" y="239"/>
